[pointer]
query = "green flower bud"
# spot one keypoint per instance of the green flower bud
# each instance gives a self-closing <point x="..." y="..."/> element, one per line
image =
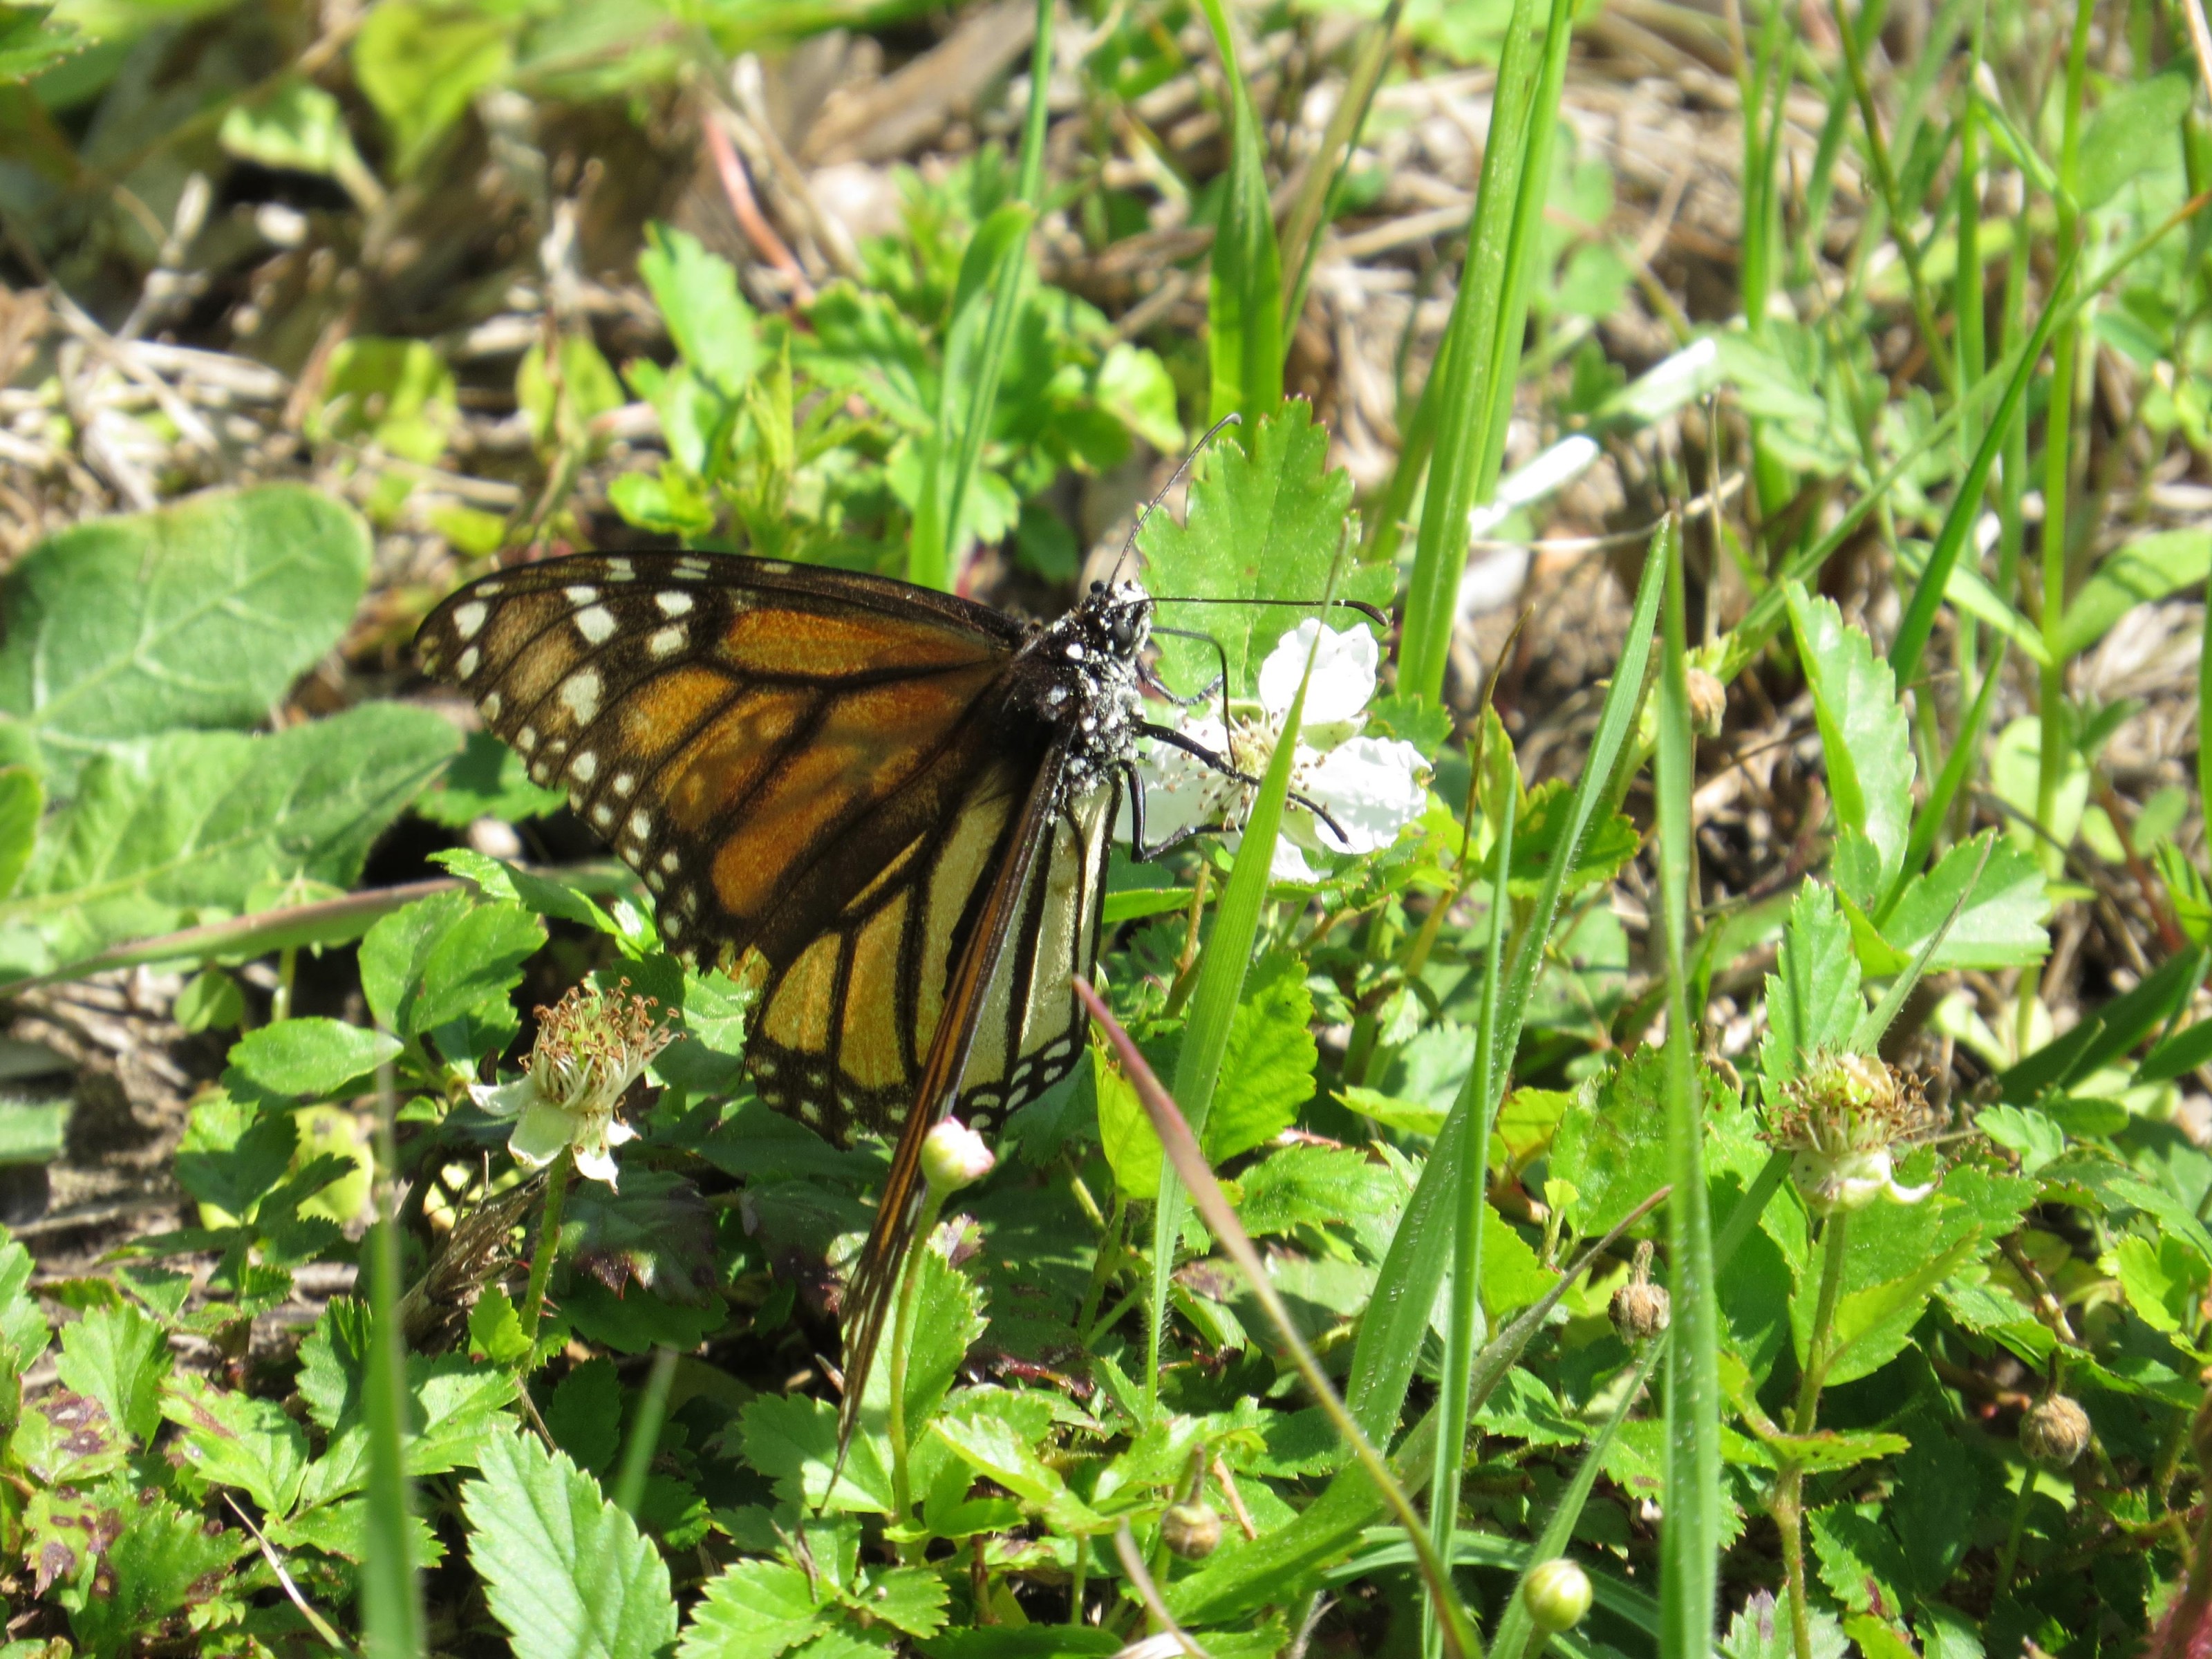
<point x="2054" y="1431"/>
<point x="954" y="1156"/>
<point x="1191" y="1531"/>
<point x="1557" y="1593"/>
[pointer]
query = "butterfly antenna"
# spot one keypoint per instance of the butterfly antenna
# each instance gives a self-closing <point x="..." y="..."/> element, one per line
<point x="1232" y="418"/>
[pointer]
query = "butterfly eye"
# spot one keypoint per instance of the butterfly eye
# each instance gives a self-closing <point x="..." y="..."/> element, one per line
<point x="1098" y="588"/>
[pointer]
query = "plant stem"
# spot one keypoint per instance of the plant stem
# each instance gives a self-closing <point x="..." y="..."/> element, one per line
<point x="932" y="1206"/>
<point x="549" y="1240"/>
<point x="2010" y="1558"/>
<point x="1787" y="1505"/>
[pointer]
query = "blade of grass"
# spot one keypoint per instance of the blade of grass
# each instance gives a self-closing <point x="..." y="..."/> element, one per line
<point x="391" y="1592"/>
<point x="1324" y="185"/>
<point x="1464" y="1331"/>
<point x="1690" y="1538"/>
<point x="1966" y="749"/>
<point x="1220" y="986"/>
<point x="998" y="254"/>
<point x="1244" y="282"/>
<point x="1397" y="1320"/>
<point x="645" y="1432"/>
<point x="1465" y="403"/>
<point x="1515" y="1628"/>
<point x="1179" y="1145"/>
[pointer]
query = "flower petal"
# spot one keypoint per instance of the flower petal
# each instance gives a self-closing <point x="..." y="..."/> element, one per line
<point x="504" y="1099"/>
<point x="596" y="1165"/>
<point x="1343" y="666"/>
<point x="1373" y="787"/>
<point x="540" y="1134"/>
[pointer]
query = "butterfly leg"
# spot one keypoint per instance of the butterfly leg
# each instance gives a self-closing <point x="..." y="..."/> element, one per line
<point x="1221" y="764"/>
<point x="1220" y="681"/>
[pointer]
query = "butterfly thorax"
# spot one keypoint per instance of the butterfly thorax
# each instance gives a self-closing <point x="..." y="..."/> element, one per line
<point x="1079" y="674"/>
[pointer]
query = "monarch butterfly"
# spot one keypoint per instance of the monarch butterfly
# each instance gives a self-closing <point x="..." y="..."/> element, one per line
<point x="885" y="808"/>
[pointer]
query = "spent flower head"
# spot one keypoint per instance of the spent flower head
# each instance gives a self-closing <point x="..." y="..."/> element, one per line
<point x="591" y="1047"/>
<point x="1370" y="787"/>
<point x="1843" y="1116"/>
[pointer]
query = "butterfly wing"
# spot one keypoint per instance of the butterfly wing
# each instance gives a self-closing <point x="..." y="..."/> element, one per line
<point x="806" y="767"/>
<point x="1011" y="1027"/>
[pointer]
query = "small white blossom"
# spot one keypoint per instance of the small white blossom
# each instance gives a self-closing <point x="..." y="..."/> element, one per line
<point x="1370" y="787"/>
<point x="590" y="1048"/>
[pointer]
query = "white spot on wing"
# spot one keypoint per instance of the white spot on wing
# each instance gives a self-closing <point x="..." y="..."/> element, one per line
<point x="526" y="739"/>
<point x="602" y="815"/>
<point x="580" y="692"/>
<point x="671" y="925"/>
<point x="493" y="702"/>
<point x="469" y="617"/>
<point x="585" y="767"/>
<point x="670" y="861"/>
<point x="595" y="622"/>
<point x="673" y="603"/>
<point x="640" y="823"/>
<point x="620" y="569"/>
<point x="464" y="668"/>
<point x="582" y="595"/>
<point x="667" y="641"/>
<point x="622" y="783"/>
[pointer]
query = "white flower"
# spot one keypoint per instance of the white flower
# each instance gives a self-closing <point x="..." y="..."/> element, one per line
<point x="590" y="1048"/>
<point x="1839" y="1119"/>
<point x="1370" y="787"/>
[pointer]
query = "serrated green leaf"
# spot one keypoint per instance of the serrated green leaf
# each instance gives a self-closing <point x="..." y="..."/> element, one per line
<point x="118" y="1356"/>
<point x="2002" y="923"/>
<point x="714" y="328"/>
<point x="237" y="1440"/>
<point x="754" y="1610"/>
<point x="793" y="1439"/>
<point x="565" y="1571"/>
<point x="1872" y="1324"/>
<point x="392" y="952"/>
<point x="993" y="1448"/>
<point x="909" y="1598"/>
<point x="1265" y="519"/>
<point x="1863" y="736"/>
<point x="2163" y="1281"/>
<point x="198" y="615"/>
<point x="585" y="1414"/>
<point x="159" y="1561"/>
<point x="23" y="1331"/>
<point x="1812" y="999"/>
<point x="1611" y="1145"/>
<point x="162" y="831"/>
<point x="310" y="1056"/>
<point x="495" y="1328"/>
<point x="948" y="1319"/>
<point x="1859" y="1559"/>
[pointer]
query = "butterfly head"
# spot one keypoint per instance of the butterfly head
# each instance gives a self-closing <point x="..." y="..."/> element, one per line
<point x="1080" y="674"/>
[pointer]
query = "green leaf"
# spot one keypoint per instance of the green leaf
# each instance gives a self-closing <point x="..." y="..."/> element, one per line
<point x="1611" y="1145"/>
<point x="793" y="1439"/>
<point x="2002" y="923"/>
<point x="1812" y="1001"/>
<point x="161" y="1560"/>
<point x="118" y="1356"/>
<point x="2147" y="569"/>
<point x="1872" y="1324"/>
<point x="22" y="804"/>
<point x="393" y="950"/>
<point x="1859" y="1560"/>
<point x="713" y="327"/>
<point x="1828" y="1449"/>
<point x="187" y="823"/>
<point x="395" y="394"/>
<point x="236" y="1440"/>
<point x="2162" y="1281"/>
<point x="1244" y="284"/>
<point x="478" y="959"/>
<point x="655" y="1232"/>
<point x="310" y="1056"/>
<point x="210" y="1001"/>
<point x="754" y="1610"/>
<point x="298" y="128"/>
<point x="1761" y="1630"/>
<point x="33" y="40"/>
<point x="948" y="1319"/>
<point x="422" y="64"/>
<point x="2136" y="130"/>
<point x="487" y="780"/>
<point x="22" y="1325"/>
<point x="1266" y="1070"/>
<point x="1863" y="736"/>
<point x="546" y="894"/>
<point x="1317" y="1186"/>
<point x="198" y="615"/>
<point x="34" y="1132"/>
<point x="1265" y="519"/>
<point x="991" y="1446"/>
<point x="565" y="1571"/>
<point x="585" y="1414"/>
<point x="495" y="1328"/>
